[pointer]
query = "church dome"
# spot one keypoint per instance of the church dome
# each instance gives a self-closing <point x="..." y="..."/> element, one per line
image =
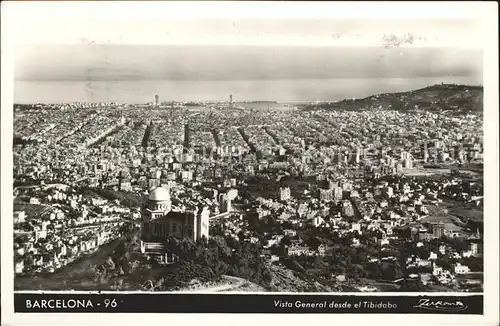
<point x="159" y="194"/>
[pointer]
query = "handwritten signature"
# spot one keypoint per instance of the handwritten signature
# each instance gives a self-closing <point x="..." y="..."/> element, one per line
<point x="441" y="305"/>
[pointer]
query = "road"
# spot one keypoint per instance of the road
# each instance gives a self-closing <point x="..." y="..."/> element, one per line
<point x="232" y="284"/>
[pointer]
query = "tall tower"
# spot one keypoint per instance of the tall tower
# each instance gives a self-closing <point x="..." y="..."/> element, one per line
<point x="157" y="100"/>
<point x="203" y="224"/>
<point x="231" y="100"/>
<point x="437" y="229"/>
<point x="186" y="136"/>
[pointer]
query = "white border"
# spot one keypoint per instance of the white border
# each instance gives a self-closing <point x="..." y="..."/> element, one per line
<point x="486" y="12"/>
<point x="402" y="294"/>
<point x="117" y="10"/>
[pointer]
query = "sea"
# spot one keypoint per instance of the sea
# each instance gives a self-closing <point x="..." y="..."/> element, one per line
<point x="284" y="90"/>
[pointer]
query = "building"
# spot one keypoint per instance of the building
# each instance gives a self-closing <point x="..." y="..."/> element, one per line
<point x="186" y="175"/>
<point x="19" y="217"/>
<point x="346" y="186"/>
<point x="321" y="250"/>
<point x="460" y="269"/>
<point x="19" y="266"/>
<point x="317" y="221"/>
<point x="125" y="186"/>
<point x="437" y="229"/>
<point x="476" y="248"/>
<point x="326" y="195"/>
<point x="409" y="163"/>
<point x="157" y="100"/>
<point x="442" y="249"/>
<point x="426" y="156"/>
<point x="225" y="200"/>
<point x="285" y="194"/>
<point x="437" y="270"/>
<point x="187" y="141"/>
<point x="34" y="201"/>
<point x="358" y="154"/>
<point x="159" y="222"/>
<point x="405" y="155"/>
<point x="356" y="227"/>
<point x="347" y="208"/>
<point x="333" y="184"/>
<point x="338" y="193"/>
<point x="383" y="241"/>
<point x="153" y="183"/>
<point x="298" y="250"/>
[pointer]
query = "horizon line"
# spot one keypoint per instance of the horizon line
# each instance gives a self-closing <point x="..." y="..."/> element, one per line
<point x="146" y="79"/>
<point x="277" y="101"/>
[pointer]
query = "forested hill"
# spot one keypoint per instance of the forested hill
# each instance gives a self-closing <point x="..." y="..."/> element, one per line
<point x="458" y="98"/>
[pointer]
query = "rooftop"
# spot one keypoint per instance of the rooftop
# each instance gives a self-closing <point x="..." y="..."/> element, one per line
<point x="159" y="194"/>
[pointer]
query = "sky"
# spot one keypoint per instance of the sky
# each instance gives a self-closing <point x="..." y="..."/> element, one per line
<point x="222" y="42"/>
<point x="94" y="48"/>
<point x="231" y="62"/>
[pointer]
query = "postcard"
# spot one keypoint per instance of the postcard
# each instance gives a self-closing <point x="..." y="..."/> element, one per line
<point x="282" y="161"/>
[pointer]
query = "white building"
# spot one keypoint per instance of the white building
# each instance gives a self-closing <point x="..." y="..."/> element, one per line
<point x="285" y="194"/>
<point x="461" y="269"/>
<point x="19" y="217"/>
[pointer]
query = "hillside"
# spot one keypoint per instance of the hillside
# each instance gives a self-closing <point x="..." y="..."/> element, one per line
<point x="287" y="280"/>
<point x="458" y="98"/>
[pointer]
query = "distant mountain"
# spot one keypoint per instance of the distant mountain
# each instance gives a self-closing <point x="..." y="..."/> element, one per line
<point x="458" y="98"/>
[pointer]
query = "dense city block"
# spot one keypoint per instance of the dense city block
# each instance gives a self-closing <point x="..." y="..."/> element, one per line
<point x="377" y="194"/>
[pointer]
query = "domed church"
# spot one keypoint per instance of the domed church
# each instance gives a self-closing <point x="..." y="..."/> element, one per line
<point x="158" y="204"/>
<point x="159" y="221"/>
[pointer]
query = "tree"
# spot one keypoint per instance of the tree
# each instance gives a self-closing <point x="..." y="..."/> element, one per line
<point x="356" y="271"/>
<point x="373" y="271"/>
<point x="475" y="264"/>
<point x="220" y="268"/>
<point x="285" y="241"/>
<point x="391" y="272"/>
<point x="313" y="242"/>
<point x="445" y="262"/>
<point x="267" y="276"/>
<point x="413" y="285"/>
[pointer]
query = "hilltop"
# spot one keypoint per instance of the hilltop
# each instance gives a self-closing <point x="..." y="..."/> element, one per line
<point x="458" y="98"/>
